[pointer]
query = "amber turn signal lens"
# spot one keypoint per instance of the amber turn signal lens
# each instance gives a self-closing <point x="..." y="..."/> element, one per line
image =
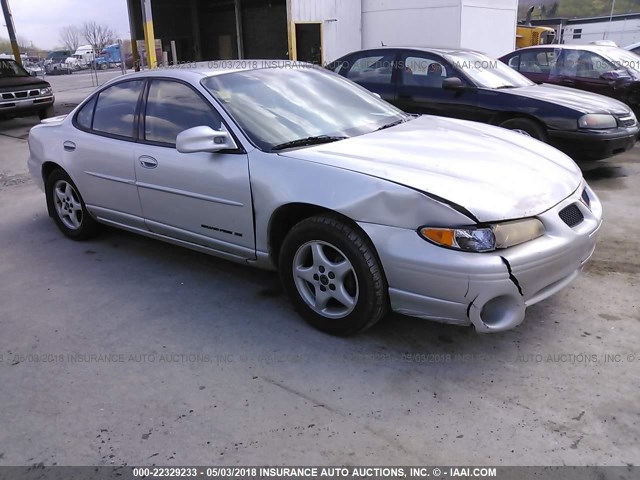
<point x="441" y="236"/>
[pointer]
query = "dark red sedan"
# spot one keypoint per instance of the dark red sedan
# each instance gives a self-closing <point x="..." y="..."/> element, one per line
<point x="606" y="70"/>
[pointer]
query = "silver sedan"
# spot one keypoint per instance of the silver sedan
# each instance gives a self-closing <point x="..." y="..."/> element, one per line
<point x="360" y="207"/>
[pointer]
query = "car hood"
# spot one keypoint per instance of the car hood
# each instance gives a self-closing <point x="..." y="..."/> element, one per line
<point x="495" y="174"/>
<point x="9" y="83"/>
<point x="585" y="102"/>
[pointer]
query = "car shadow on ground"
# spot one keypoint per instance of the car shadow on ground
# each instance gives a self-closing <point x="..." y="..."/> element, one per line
<point x="397" y="338"/>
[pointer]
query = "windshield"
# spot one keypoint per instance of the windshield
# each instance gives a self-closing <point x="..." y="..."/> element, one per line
<point x="623" y="58"/>
<point x="275" y="106"/>
<point x="487" y="72"/>
<point x="9" y="68"/>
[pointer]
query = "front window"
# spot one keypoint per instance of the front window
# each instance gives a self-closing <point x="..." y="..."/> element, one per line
<point x="275" y="106"/>
<point x="10" y="68"/>
<point x="173" y="107"/>
<point x="487" y="72"/>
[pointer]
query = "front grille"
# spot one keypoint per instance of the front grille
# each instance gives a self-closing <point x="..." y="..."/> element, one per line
<point x="21" y="94"/>
<point x="571" y="215"/>
<point x="626" y="121"/>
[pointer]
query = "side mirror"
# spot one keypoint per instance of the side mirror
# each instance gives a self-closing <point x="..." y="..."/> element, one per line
<point x="452" y="83"/>
<point x="204" y="139"/>
<point x="609" y="76"/>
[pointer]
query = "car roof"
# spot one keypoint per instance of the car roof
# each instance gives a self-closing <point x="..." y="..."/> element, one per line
<point x="198" y="70"/>
<point x="591" y="48"/>
<point x="436" y="50"/>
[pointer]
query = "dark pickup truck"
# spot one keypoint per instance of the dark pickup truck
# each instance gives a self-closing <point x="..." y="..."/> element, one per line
<point x="21" y="94"/>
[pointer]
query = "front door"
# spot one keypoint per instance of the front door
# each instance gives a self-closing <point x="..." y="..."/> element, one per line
<point x="202" y="198"/>
<point x="420" y="90"/>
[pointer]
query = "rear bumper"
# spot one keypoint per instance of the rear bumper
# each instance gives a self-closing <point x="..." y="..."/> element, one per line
<point x="594" y="145"/>
<point x="490" y="291"/>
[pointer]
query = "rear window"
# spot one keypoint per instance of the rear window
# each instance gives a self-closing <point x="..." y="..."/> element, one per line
<point x="116" y="107"/>
<point x="85" y="115"/>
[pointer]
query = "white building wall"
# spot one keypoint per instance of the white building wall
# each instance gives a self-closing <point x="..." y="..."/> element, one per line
<point x="623" y="32"/>
<point x="489" y="26"/>
<point x="341" y="24"/>
<point x="348" y="25"/>
<point x="418" y="23"/>
<point x="484" y="25"/>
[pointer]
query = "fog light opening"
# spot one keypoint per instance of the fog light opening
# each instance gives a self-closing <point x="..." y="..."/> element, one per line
<point x="499" y="312"/>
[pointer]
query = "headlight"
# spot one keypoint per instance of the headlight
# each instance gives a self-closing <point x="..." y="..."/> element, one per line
<point x="485" y="239"/>
<point x="46" y="91"/>
<point x="597" y="121"/>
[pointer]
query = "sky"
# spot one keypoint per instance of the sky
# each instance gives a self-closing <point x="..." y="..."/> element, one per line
<point x="40" y="21"/>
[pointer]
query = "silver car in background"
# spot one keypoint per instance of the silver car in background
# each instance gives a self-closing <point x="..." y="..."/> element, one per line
<point x="359" y="206"/>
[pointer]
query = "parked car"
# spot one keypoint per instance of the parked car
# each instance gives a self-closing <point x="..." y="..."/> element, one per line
<point x="607" y="70"/>
<point x="23" y="94"/>
<point x="468" y="85"/>
<point x="362" y="208"/>
<point x="58" y="68"/>
<point x="634" y="47"/>
<point x="34" y="69"/>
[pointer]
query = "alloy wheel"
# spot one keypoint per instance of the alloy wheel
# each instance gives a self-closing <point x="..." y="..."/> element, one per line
<point x="325" y="279"/>
<point x="68" y="205"/>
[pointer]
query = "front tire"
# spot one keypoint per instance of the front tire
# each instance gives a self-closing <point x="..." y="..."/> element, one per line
<point x="67" y="207"/>
<point x="527" y="127"/>
<point x="333" y="276"/>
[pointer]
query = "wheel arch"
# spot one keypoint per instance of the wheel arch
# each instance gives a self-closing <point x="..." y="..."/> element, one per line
<point x="286" y="216"/>
<point x="502" y="117"/>
<point x="48" y="168"/>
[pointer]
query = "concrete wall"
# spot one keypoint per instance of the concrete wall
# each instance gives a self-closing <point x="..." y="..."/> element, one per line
<point x="341" y="24"/>
<point x="484" y="25"/>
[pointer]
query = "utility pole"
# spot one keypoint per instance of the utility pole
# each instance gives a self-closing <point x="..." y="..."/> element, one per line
<point x="613" y="6"/>
<point x="8" y="19"/>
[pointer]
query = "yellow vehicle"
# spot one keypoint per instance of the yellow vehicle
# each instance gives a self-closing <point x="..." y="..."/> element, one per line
<point x="528" y="36"/>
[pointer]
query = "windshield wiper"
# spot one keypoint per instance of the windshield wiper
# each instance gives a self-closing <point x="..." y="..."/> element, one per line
<point x="393" y="124"/>
<point x="305" y="142"/>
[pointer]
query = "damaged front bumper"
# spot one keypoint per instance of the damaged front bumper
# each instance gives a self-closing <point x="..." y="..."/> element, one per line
<point x="490" y="291"/>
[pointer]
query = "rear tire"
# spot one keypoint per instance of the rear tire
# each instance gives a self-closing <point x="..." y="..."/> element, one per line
<point x="333" y="276"/>
<point x="67" y="207"/>
<point x="526" y="126"/>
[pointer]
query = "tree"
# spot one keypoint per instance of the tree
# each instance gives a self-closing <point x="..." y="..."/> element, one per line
<point x="70" y="37"/>
<point x="98" y="35"/>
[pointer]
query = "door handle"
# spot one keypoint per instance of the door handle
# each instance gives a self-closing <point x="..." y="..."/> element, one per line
<point x="148" y="162"/>
<point x="568" y="81"/>
<point x="69" y="146"/>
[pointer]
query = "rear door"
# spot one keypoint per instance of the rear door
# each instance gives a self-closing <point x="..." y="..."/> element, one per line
<point x="100" y="151"/>
<point x="420" y="78"/>
<point x="589" y="71"/>
<point x="202" y="198"/>
<point x="374" y="70"/>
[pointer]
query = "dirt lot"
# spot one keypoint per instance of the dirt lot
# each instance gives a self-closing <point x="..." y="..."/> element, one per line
<point x="128" y="350"/>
